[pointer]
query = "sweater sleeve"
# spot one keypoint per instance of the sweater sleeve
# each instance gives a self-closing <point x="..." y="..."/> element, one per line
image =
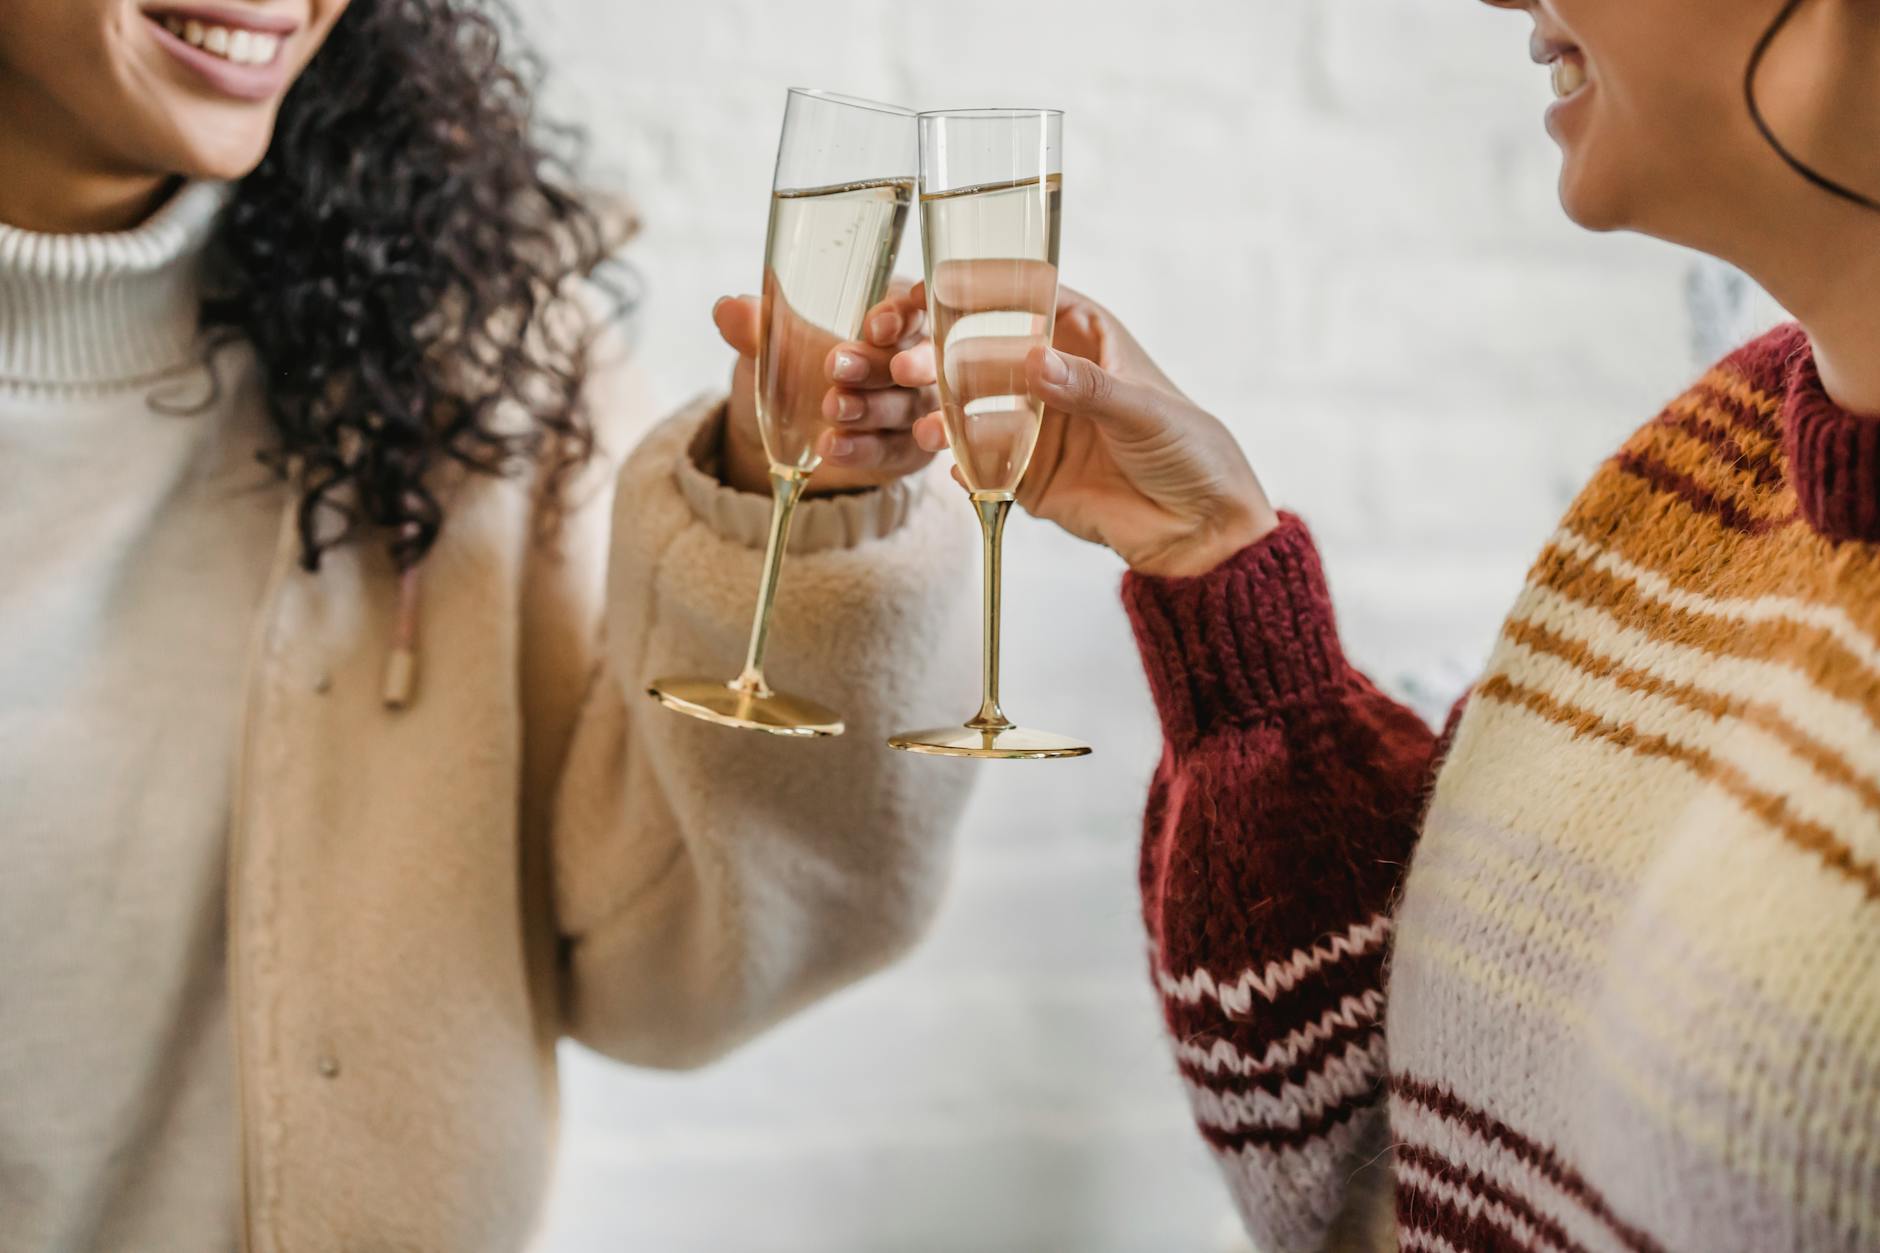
<point x="711" y="881"/>
<point x="1279" y="822"/>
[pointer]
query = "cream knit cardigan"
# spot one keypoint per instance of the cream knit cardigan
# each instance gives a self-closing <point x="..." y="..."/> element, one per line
<point x="425" y="900"/>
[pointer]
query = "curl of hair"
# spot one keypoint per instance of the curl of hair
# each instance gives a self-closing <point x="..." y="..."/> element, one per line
<point x="1763" y="45"/>
<point x="403" y="262"/>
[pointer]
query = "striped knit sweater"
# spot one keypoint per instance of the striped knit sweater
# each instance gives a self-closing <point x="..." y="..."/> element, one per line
<point x="1626" y="996"/>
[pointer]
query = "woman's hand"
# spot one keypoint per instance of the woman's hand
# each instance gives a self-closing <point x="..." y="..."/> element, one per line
<point x="870" y="438"/>
<point x="1123" y="458"/>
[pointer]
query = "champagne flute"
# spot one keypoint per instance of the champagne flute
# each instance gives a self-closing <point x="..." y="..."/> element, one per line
<point x="990" y="188"/>
<point x="840" y="197"/>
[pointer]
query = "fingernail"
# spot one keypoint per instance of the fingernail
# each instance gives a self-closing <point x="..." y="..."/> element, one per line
<point x="850" y="368"/>
<point x="885" y="328"/>
<point x="1053" y="368"/>
<point x="719" y="303"/>
<point x="841" y="446"/>
<point x="848" y="408"/>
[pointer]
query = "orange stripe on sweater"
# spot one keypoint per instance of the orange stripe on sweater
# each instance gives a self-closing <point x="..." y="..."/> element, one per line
<point x="1811" y="837"/>
<point x="1830" y="764"/>
<point x="1828" y="663"/>
<point x="1731" y="447"/>
<point x="1695" y="457"/>
<point x="1698" y="553"/>
<point x="1753" y="415"/>
<point x="1728" y="381"/>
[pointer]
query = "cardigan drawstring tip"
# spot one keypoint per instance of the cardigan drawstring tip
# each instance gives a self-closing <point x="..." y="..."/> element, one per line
<point x="401" y="678"/>
<point x="401" y="665"/>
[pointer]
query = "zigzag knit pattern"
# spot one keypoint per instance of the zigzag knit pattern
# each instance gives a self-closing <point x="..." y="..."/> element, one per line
<point x="1236" y="995"/>
<point x="1630" y="901"/>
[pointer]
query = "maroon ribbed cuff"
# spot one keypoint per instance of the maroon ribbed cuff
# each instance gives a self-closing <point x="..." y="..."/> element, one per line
<point x="1243" y="642"/>
<point x="1834" y="457"/>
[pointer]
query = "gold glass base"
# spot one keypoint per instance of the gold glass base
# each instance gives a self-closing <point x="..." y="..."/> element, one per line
<point x="733" y="705"/>
<point x="1010" y="744"/>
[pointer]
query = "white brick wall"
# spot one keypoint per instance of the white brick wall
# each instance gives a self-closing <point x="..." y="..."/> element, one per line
<point x="1334" y="222"/>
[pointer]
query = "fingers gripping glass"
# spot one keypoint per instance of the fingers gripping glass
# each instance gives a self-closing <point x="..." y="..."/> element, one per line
<point x="843" y="186"/>
<point x="990" y="189"/>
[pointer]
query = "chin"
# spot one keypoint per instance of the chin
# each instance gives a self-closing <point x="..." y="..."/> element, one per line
<point x="225" y="168"/>
<point x="222" y="154"/>
<point x="1591" y="201"/>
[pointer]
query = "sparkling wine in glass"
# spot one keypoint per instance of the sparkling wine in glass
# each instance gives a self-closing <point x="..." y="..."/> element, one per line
<point x="840" y="198"/>
<point x="991" y="187"/>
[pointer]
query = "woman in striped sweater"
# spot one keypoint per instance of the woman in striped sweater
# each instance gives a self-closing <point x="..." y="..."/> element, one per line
<point x="1599" y="967"/>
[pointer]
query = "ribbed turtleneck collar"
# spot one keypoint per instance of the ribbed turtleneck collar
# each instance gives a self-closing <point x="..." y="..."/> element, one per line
<point x="1834" y="455"/>
<point x="90" y="311"/>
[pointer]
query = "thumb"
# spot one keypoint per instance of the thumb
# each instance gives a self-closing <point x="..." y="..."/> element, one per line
<point x="1084" y="389"/>
<point x="736" y="319"/>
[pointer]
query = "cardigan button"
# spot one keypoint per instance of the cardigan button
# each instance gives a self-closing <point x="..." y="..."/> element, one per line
<point x="329" y="1067"/>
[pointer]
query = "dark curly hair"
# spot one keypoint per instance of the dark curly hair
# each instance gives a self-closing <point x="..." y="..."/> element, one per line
<point x="402" y="263"/>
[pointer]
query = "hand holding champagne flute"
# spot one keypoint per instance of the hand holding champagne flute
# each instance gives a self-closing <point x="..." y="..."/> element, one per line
<point x="867" y="419"/>
<point x="1123" y="457"/>
<point x="840" y="197"/>
<point x="991" y="189"/>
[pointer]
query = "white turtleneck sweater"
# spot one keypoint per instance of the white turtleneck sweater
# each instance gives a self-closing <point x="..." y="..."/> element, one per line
<point x="136" y="530"/>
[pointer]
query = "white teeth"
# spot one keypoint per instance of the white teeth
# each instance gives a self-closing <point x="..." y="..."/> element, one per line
<point x="1569" y="76"/>
<point x="243" y="47"/>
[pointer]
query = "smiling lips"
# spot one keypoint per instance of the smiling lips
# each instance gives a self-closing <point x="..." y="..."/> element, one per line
<point x="232" y="43"/>
<point x="235" y="52"/>
<point x="1563" y="59"/>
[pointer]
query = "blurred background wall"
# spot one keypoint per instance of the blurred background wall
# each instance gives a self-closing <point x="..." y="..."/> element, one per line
<point x="1333" y="221"/>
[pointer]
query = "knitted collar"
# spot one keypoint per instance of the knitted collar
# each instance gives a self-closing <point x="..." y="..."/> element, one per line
<point x="90" y="311"/>
<point x="1834" y="456"/>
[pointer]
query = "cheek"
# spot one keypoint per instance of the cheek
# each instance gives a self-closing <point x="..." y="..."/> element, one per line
<point x="64" y="70"/>
<point x="1671" y="71"/>
<point x="1656" y="131"/>
<point x="31" y="31"/>
<point x="1670" y="133"/>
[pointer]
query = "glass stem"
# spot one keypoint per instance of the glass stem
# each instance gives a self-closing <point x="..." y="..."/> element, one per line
<point x="786" y="489"/>
<point x="992" y="508"/>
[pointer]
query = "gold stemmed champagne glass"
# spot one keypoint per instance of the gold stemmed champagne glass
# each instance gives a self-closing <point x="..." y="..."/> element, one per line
<point x="843" y="186"/>
<point x="990" y="189"/>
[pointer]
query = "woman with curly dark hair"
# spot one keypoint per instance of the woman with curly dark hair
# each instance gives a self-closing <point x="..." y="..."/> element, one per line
<point x="338" y="546"/>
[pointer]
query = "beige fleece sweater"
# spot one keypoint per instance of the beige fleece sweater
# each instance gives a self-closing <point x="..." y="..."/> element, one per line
<point x="285" y="969"/>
